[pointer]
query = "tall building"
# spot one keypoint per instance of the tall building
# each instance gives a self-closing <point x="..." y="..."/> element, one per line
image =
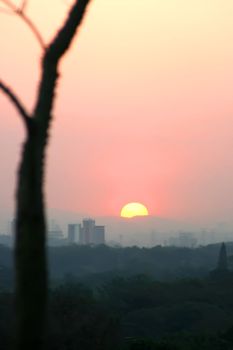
<point x="87" y="231"/>
<point x="91" y="234"/>
<point x="73" y="233"/>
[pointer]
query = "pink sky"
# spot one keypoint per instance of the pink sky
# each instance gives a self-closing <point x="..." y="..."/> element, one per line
<point x="144" y="110"/>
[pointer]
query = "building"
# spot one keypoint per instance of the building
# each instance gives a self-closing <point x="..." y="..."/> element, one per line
<point x="185" y="239"/>
<point x="12" y="227"/>
<point x="91" y="234"/>
<point x="55" y="236"/>
<point x="99" y="235"/>
<point x="74" y="233"/>
<point x="87" y="231"/>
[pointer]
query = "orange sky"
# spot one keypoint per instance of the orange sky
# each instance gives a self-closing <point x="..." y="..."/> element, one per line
<point x="144" y="109"/>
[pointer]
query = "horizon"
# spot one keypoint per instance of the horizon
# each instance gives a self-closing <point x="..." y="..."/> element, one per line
<point x="141" y="231"/>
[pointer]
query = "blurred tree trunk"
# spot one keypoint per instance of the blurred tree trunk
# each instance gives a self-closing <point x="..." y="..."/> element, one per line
<point x="30" y="245"/>
<point x="30" y="254"/>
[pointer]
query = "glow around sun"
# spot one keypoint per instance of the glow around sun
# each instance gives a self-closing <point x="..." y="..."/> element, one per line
<point x="134" y="209"/>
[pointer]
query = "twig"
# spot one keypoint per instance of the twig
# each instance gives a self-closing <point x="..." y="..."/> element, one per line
<point x="21" y="13"/>
<point x="16" y="101"/>
<point x="33" y="28"/>
<point x="65" y="35"/>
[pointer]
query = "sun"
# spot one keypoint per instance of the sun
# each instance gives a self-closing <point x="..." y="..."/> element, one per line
<point x="134" y="209"/>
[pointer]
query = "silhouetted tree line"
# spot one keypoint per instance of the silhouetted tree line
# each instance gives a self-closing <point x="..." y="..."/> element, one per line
<point x="163" y="263"/>
<point x="96" y="265"/>
<point x="116" y="308"/>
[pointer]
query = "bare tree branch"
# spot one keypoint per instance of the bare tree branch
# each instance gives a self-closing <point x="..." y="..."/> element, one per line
<point x="58" y="47"/>
<point x="30" y="249"/>
<point x="21" y="13"/>
<point x="17" y="103"/>
<point x="63" y="39"/>
<point x="33" y="28"/>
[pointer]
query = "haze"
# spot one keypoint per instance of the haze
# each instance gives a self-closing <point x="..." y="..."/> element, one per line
<point x="144" y="108"/>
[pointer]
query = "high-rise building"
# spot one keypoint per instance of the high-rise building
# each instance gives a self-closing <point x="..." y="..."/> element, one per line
<point x="88" y="230"/>
<point x="91" y="234"/>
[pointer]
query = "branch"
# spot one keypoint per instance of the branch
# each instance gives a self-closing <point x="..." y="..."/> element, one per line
<point x="17" y="103"/>
<point x="58" y="47"/>
<point x="21" y="13"/>
<point x="33" y="28"/>
<point x="63" y="39"/>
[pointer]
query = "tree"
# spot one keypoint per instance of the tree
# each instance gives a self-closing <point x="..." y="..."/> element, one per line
<point x="221" y="272"/>
<point x="30" y="252"/>
<point x="222" y="259"/>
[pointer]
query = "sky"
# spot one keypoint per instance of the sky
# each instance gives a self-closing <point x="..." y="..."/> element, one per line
<point x="144" y="107"/>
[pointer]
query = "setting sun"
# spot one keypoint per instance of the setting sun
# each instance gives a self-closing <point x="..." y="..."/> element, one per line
<point x="133" y="209"/>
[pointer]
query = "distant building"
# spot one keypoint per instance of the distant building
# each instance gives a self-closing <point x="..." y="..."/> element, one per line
<point x="185" y="239"/>
<point x="55" y="234"/>
<point x="91" y="234"/>
<point x="55" y="237"/>
<point x="12" y="227"/>
<point x="99" y="235"/>
<point x="74" y="233"/>
<point x="87" y="231"/>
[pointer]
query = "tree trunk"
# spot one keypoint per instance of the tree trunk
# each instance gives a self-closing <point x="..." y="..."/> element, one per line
<point x="30" y="251"/>
<point x="30" y="254"/>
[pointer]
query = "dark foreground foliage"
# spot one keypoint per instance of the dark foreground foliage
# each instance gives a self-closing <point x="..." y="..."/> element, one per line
<point x="135" y="313"/>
